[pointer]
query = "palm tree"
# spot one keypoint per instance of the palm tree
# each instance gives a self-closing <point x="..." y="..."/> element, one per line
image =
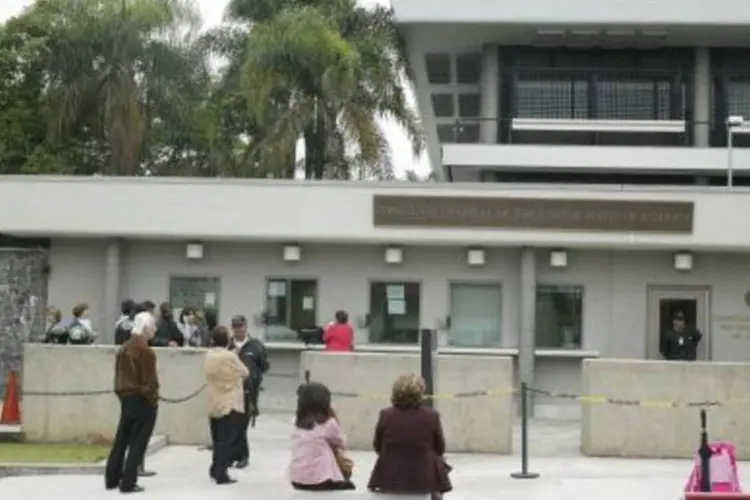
<point x="112" y="66"/>
<point x="326" y="71"/>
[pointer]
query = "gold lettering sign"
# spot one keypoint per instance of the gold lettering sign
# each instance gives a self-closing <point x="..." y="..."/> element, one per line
<point x="531" y="213"/>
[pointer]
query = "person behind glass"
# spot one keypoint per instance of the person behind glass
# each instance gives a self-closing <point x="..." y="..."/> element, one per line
<point x="680" y="343"/>
<point x="80" y="330"/>
<point x="124" y="324"/>
<point x="339" y="335"/>
<point x="225" y="374"/>
<point x="252" y="352"/>
<point x="137" y="387"/>
<point x="410" y="445"/>
<point x="57" y="331"/>
<point x="186" y="323"/>
<point x="201" y="335"/>
<point x="316" y="438"/>
<point x="168" y="334"/>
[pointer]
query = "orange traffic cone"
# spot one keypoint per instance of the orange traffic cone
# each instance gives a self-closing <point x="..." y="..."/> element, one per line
<point x="11" y="411"/>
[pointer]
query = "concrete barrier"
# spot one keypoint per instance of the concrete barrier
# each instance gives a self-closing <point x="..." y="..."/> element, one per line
<point x="652" y="430"/>
<point x="480" y="424"/>
<point x="72" y="369"/>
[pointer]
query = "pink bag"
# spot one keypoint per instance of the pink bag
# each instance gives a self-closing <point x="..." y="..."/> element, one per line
<point x="723" y="465"/>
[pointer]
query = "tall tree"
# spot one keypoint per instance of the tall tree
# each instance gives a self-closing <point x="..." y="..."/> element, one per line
<point x="326" y="71"/>
<point x="112" y="66"/>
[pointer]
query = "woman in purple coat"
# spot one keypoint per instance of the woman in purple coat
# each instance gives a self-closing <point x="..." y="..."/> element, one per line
<point x="410" y="445"/>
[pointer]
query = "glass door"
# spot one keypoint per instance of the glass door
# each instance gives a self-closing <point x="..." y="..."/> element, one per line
<point x="475" y="315"/>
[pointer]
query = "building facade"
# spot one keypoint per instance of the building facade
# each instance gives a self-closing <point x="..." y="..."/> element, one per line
<point x="588" y="92"/>
<point x="558" y="274"/>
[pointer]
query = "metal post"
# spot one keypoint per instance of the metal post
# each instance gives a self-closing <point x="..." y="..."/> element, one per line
<point x="427" y="352"/>
<point x="730" y="156"/>
<point x="705" y="455"/>
<point x="307" y="376"/>
<point x="524" y="473"/>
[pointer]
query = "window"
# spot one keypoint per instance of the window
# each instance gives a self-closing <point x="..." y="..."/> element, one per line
<point x="394" y="313"/>
<point x="552" y="98"/>
<point x="469" y="68"/>
<point x="442" y="105"/>
<point x="290" y="307"/>
<point x="438" y="68"/>
<point x="469" y="105"/>
<point x="475" y="318"/>
<point x="460" y="132"/>
<point x="559" y="316"/>
<point x="200" y="293"/>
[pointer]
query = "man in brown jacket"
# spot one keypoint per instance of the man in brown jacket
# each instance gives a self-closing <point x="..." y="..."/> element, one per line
<point x="137" y="387"/>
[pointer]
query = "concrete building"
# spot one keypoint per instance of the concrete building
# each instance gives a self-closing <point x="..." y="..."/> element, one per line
<point x="587" y="145"/>
<point x="560" y="273"/>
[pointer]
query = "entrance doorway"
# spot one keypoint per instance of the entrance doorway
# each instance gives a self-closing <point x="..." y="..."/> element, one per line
<point x="666" y="302"/>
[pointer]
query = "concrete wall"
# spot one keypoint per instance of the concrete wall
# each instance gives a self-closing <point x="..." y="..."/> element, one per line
<point x="292" y="211"/>
<point x="659" y="432"/>
<point x="477" y="424"/>
<point x="55" y="369"/>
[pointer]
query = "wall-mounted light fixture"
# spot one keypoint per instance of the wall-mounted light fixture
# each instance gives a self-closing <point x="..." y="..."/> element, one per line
<point x="558" y="258"/>
<point x="476" y="257"/>
<point x="194" y="251"/>
<point x="292" y="253"/>
<point x="682" y="261"/>
<point x="394" y="255"/>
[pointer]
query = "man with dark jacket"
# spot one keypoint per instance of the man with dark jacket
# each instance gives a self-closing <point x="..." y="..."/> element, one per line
<point x="124" y="325"/>
<point x="168" y="334"/>
<point x="680" y="343"/>
<point x="253" y="354"/>
<point x="137" y="387"/>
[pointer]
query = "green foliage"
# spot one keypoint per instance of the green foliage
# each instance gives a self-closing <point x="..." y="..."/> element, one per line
<point x="126" y="87"/>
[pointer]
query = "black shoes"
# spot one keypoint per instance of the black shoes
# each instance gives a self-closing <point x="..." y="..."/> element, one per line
<point x="222" y="480"/>
<point x="241" y="464"/>
<point x="134" y="489"/>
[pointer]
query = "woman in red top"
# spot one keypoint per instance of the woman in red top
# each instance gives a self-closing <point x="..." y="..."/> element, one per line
<point x="339" y="336"/>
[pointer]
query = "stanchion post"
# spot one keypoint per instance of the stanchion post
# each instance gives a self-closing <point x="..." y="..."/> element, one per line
<point x="428" y="345"/>
<point x="307" y="376"/>
<point x="524" y="473"/>
<point x="704" y="452"/>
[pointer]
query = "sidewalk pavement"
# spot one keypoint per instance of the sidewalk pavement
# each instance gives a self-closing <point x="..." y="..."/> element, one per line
<point x="183" y="473"/>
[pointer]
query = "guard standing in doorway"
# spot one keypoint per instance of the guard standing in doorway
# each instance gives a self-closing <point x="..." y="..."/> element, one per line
<point x="681" y="342"/>
<point x="253" y="354"/>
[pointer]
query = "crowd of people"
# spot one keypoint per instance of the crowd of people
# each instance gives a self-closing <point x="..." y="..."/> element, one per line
<point x="408" y="437"/>
<point x="234" y="367"/>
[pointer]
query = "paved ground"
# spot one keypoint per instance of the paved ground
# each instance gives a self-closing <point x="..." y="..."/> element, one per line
<point x="564" y="474"/>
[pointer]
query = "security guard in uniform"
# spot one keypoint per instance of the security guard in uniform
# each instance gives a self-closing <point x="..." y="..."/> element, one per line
<point x="680" y="343"/>
<point x="253" y="354"/>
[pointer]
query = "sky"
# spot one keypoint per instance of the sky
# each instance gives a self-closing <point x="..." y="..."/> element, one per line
<point x="212" y="12"/>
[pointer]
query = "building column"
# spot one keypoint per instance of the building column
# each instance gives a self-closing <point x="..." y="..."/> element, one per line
<point x="112" y="268"/>
<point x="702" y="97"/>
<point x="490" y="93"/>
<point x="527" y="338"/>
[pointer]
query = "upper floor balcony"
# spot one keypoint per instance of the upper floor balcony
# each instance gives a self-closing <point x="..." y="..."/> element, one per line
<point x="595" y="107"/>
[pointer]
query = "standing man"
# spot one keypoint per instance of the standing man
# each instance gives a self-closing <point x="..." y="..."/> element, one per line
<point x="252" y="353"/>
<point x="680" y="343"/>
<point x="137" y="387"/>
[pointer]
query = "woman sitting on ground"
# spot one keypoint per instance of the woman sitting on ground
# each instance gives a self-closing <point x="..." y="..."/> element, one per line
<point x="410" y="445"/>
<point x="315" y="442"/>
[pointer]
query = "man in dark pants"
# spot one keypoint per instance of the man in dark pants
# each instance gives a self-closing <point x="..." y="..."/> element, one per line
<point x="149" y="307"/>
<point x="680" y="343"/>
<point x="137" y="387"/>
<point x="252" y="353"/>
